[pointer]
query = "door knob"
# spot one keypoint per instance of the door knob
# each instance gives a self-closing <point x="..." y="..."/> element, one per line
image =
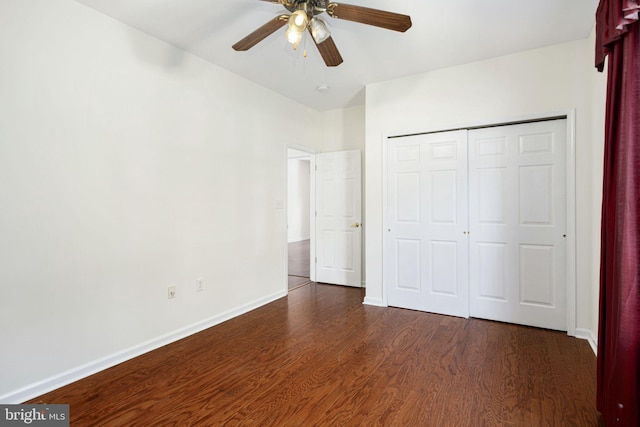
<point x="356" y="225"/>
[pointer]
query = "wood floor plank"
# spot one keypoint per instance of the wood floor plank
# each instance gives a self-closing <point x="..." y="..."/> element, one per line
<point x="321" y="357"/>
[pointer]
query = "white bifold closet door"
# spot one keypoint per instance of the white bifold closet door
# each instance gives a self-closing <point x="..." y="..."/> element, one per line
<point x="426" y="256"/>
<point x="517" y="222"/>
<point x="476" y="223"/>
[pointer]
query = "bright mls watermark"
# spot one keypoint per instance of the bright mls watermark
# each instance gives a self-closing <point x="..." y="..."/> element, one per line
<point x="34" y="415"/>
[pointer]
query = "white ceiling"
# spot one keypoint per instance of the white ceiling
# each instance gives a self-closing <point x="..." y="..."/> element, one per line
<point x="444" y="33"/>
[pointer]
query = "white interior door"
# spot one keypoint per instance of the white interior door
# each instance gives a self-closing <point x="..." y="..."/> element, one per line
<point x="517" y="220"/>
<point x="426" y="249"/>
<point x="339" y="218"/>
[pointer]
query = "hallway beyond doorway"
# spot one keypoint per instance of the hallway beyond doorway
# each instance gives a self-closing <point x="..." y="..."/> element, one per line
<point x="299" y="264"/>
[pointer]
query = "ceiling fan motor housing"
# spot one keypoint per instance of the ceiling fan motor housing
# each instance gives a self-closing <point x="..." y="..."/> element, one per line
<point x="312" y="7"/>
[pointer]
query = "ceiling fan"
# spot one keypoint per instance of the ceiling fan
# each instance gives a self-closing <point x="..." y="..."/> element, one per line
<point x="304" y="17"/>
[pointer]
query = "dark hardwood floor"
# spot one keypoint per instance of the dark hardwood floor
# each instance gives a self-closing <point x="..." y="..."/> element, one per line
<point x="321" y="357"/>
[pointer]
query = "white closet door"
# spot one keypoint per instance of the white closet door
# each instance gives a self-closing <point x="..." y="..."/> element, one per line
<point x="517" y="220"/>
<point x="426" y="249"/>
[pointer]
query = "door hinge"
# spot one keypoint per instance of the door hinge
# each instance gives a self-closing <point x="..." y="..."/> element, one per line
<point x="316" y="260"/>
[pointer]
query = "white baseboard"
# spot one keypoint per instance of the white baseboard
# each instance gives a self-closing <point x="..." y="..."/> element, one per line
<point x="591" y="338"/>
<point x="48" y="384"/>
<point x="374" y="301"/>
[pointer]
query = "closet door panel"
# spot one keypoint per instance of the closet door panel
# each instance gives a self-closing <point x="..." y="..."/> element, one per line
<point x="517" y="203"/>
<point x="426" y="252"/>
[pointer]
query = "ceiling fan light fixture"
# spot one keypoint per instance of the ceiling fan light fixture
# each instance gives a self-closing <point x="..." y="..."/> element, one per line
<point x="319" y="30"/>
<point x="298" y="21"/>
<point x="293" y="37"/>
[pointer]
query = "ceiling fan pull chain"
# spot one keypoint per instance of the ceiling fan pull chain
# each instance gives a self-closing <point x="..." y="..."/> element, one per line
<point x="304" y="44"/>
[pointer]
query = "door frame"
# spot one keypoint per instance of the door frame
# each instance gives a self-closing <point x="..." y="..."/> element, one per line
<point x="312" y="210"/>
<point x="569" y="116"/>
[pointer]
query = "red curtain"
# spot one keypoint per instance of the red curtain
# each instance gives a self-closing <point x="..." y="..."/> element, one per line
<point x="618" y="39"/>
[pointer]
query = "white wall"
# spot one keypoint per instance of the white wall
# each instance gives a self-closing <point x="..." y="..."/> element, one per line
<point x="536" y="82"/>
<point x="298" y="194"/>
<point x="598" y="90"/>
<point x="126" y="166"/>
<point x="342" y="129"/>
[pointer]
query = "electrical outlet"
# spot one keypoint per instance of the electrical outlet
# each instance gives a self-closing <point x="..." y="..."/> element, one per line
<point x="172" y="292"/>
<point x="199" y="285"/>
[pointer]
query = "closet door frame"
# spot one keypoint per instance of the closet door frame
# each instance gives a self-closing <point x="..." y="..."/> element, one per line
<point x="569" y="116"/>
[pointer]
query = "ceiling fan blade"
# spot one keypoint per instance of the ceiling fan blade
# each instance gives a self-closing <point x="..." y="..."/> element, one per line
<point x="261" y="33"/>
<point x="329" y="52"/>
<point x="365" y="15"/>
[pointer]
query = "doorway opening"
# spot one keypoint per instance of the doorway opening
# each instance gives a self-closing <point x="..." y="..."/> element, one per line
<point x="298" y="218"/>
